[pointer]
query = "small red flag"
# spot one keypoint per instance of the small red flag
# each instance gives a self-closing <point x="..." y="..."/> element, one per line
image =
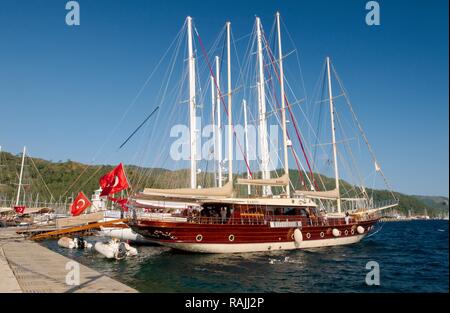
<point x="114" y="181"/>
<point x="19" y="209"/>
<point x="80" y="204"/>
<point x="121" y="201"/>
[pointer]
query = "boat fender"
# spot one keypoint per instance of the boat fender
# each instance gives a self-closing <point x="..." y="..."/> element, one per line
<point x="336" y="232"/>
<point x="66" y="242"/>
<point x="298" y="237"/>
<point x="360" y="229"/>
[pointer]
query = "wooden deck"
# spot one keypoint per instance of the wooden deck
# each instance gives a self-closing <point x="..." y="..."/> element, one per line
<point x="26" y="266"/>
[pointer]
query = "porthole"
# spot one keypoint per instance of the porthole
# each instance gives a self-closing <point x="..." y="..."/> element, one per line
<point x="352" y="231"/>
<point x="231" y="238"/>
<point x="199" y="237"/>
<point x="346" y="232"/>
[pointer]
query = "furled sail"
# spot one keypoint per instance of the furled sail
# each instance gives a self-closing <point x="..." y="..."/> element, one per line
<point x="329" y="194"/>
<point x="225" y="191"/>
<point x="279" y="181"/>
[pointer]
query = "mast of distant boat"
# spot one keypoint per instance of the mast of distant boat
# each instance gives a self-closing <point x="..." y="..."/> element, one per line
<point x="283" y="105"/>
<point x="333" y="137"/>
<point x="262" y="112"/>
<point x="20" y="176"/>
<point x="192" y="118"/>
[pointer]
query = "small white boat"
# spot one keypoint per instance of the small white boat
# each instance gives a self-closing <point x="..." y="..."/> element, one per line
<point x="115" y="249"/>
<point x="76" y="243"/>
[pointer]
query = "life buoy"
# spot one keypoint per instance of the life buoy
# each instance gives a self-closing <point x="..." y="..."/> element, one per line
<point x="199" y="238"/>
<point x="360" y="229"/>
<point x="298" y="237"/>
<point x="346" y="232"/>
<point x="336" y="232"/>
<point x="352" y="231"/>
<point x="322" y="234"/>
<point x="231" y="237"/>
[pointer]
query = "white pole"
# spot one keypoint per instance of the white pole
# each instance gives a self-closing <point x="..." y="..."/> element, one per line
<point x="20" y="176"/>
<point x="333" y="136"/>
<point x="262" y="112"/>
<point x="213" y="113"/>
<point x="244" y="103"/>
<point x="283" y="105"/>
<point x="192" y="125"/>
<point x="230" y="130"/>
<point x="219" y="122"/>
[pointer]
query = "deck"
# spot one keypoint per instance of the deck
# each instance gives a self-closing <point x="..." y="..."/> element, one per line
<point x="28" y="267"/>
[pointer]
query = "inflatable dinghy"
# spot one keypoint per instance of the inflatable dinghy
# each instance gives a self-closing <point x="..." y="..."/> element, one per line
<point x="115" y="249"/>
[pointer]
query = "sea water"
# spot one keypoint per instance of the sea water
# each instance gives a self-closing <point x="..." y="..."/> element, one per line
<point x="412" y="257"/>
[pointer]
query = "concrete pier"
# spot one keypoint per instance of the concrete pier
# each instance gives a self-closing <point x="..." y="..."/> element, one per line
<point x="26" y="266"/>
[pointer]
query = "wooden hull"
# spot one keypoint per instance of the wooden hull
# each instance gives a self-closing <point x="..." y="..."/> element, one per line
<point x="225" y="238"/>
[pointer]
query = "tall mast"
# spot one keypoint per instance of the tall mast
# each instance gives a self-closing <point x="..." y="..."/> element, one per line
<point x="219" y="123"/>
<point x="213" y="113"/>
<point x="283" y="105"/>
<point x="20" y="176"/>
<point x="262" y="112"/>
<point x="333" y="136"/>
<point x="230" y="131"/>
<point x="244" y="103"/>
<point x="192" y="124"/>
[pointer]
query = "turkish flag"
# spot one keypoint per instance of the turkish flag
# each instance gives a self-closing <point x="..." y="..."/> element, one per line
<point x="114" y="181"/>
<point x="80" y="204"/>
<point x="19" y="209"/>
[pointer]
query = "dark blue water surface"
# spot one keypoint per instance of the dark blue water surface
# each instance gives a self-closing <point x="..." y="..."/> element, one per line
<point x="413" y="257"/>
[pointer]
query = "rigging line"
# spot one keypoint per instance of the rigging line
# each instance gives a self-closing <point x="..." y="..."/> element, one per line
<point x="40" y="176"/>
<point x="350" y="152"/>
<point x="362" y="131"/>
<point x="129" y="107"/>
<point x="134" y="132"/>
<point x="293" y="120"/>
<point x="223" y="102"/>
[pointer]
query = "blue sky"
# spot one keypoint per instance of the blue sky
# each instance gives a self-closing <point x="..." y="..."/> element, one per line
<point x="63" y="89"/>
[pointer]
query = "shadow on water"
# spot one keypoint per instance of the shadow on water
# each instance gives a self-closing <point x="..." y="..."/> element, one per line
<point x="413" y="257"/>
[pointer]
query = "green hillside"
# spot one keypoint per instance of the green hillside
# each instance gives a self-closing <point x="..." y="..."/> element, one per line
<point x="65" y="179"/>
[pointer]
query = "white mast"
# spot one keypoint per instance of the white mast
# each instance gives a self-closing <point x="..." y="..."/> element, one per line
<point x="213" y="113"/>
<point x="20" y="176"/>
<point x="192" y="122"/>
<point x="244" y="103"/>
<point x="219" y="123"/>
<point x="333" y="137"/>
<point x="262" y="112"/>
<point x="230" y="131"/>
<point x="283" y="104"/>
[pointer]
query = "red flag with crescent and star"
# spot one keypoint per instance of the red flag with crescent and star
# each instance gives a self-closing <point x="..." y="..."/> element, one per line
<point x="20" y="209"/>
<point x="114" y="181"/>
<point x="80" y="204"/>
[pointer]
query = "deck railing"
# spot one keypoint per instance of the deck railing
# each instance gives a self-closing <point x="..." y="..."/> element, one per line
<point x="263" y="220"/>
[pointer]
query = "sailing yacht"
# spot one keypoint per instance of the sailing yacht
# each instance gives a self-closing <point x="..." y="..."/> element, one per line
<point x="217" y="220"/>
